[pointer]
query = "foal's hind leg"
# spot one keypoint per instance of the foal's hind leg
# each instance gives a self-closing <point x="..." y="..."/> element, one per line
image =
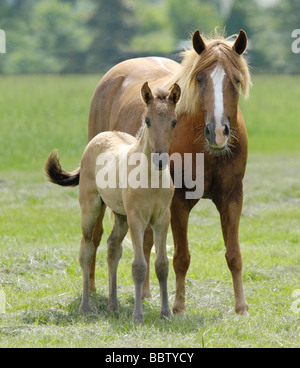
<point x="97" y="235"/>
<point x="90" y="208"/>
<point x="114" y="252"/>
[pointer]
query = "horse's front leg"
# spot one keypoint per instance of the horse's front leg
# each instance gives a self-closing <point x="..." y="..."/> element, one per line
<point x="230" y="208"/>
<point x="162" y="262"/>
<point x="181" y="260"/>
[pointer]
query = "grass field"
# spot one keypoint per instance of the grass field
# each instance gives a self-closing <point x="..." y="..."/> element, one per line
<point x="40" y="232"/>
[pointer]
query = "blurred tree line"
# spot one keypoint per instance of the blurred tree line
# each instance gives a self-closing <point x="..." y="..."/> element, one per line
<point x="72" y="36"/>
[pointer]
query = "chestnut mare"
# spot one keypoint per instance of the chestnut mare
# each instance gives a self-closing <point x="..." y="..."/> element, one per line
<point x="211" y="76"/>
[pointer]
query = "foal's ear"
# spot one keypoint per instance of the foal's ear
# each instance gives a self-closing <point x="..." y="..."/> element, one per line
<point x="240" y="44"/>
<point x="146" y="93"/>
<point x="198" y="43"/>
<point x="175" y="93"/>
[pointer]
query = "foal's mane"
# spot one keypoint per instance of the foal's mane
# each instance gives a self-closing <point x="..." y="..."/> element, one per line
<point x="161" y="93"/>
<point x="218" y="51"/>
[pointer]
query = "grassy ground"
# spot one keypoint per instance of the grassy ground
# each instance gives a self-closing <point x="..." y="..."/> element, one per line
<point x="40" y="232"/>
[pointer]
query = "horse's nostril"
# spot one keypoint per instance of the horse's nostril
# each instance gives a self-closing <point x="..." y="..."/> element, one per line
<point x="226" y="130"/>
<point x="207" y="132"/>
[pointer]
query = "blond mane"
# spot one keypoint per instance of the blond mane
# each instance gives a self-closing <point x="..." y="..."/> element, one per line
<point x="218" y="51"/>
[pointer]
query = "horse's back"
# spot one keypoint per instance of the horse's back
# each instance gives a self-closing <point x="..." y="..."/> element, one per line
<point x="116" y="104"/>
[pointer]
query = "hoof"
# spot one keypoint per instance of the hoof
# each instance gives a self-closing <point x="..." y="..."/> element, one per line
<point x="85" y="309"/>
<point x="165" y="314"/>
<point x="146" y="294"/>
<point x="178" y="308"/>
<point x="113" y="307"/>
<point x="242" y="309"/>
<point x="138" y="318"/>
<point x="92" y="286"/>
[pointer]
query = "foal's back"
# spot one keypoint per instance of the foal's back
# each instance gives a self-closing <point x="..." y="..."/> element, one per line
<point x="111" y="143"/>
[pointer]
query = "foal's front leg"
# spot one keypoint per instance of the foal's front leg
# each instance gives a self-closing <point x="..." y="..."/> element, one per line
<point x="114" y="252"/>
<point x="139" y="265"/>
<point x="162" y="262"/>
<point x="148" y="244"/>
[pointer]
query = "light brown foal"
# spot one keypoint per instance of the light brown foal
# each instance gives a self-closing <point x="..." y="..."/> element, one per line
<point x="108" y="174"/>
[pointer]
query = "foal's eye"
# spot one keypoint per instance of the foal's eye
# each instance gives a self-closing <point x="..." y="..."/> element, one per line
<point x="148" y="122"/>
<point x="174" y="122"/>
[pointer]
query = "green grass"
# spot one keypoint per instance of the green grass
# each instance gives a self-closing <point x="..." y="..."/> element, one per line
<point x="40" y="232"/>
<point x="272" y="114"/>
<point x="39" y="113"/>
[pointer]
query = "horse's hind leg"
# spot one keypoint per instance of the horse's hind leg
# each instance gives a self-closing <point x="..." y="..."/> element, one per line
<point x="114" y="252"/>
<point x="181" y="260"/>
<point x="97" y="235"/>
<point x="90" y="208"/>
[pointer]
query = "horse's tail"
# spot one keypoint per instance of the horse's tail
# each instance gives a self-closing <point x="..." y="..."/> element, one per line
<point x="57" y="175"/>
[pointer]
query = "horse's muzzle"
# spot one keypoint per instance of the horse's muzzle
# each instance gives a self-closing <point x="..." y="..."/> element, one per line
<point x="217" y="135"/>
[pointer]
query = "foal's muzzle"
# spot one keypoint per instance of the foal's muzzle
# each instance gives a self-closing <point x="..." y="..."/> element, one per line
<point x="217" y="135"/>
<point x="160" y="160"/>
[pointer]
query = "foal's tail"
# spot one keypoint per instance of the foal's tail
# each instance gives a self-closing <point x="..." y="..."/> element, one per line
<point x="57" y="175"/>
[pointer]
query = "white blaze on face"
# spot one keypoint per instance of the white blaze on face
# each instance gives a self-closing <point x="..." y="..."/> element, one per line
<point x="217" y="77"/>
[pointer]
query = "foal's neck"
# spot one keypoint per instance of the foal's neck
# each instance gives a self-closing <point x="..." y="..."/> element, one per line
<point x="143" y="145"/>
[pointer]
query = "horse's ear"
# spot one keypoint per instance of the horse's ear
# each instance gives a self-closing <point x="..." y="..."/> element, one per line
<point x="175" y="93"/>
<point x="198" y="43"/>
<point x="240" y="44"/>
<point x="146" y="93"/>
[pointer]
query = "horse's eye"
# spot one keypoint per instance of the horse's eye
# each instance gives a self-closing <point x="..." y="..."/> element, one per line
<point x="237" y="81"/>
<point x="201" y="82"/>
<point x="174" y="122"/>
<point x="148" y="122"/>
<point x="201" y="78"/>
